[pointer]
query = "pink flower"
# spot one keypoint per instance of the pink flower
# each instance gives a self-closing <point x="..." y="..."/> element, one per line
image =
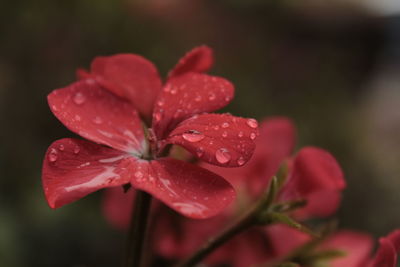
<point x="313" y="175"/>
<point x="105" y="108"/>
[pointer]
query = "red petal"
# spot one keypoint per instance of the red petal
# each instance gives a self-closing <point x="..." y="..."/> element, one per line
<point x="187" y="95"/>
<point x="314" y="170"/>
<point x="186" y="188"/>
<point x="220" y="139"/>
<point x="75" y="168"/>
<point x="130" y="76"/>
<point x="117" y="206"/>
<point x="95" y="114"/>
<point x="394" y="237"/>
<point x="386" y="256"/>
<point x="357" y="247"/>
<point x="320" y="204"/>
<point x="199" y="59"/>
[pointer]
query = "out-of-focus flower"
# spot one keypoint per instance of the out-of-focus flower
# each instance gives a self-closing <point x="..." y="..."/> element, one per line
<point x="105" y="107"/>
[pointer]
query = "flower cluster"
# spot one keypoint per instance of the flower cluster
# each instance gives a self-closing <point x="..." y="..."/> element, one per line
<point x="133" y="123"/>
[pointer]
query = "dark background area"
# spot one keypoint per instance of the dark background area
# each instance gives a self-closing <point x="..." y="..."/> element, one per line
<point x="333" y="68"/>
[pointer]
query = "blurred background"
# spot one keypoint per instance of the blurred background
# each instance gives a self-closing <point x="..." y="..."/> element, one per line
<point x="332" y="67"/>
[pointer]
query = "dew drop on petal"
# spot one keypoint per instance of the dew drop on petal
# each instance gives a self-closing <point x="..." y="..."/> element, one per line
<point x="241" y="161"/>
<point x="61" y="147"/>
<point x="253" y="136"/>
<point x="225" y="134"/>
<point x="227" y="98"/>
<point x="167" y="88"/>
<point x="198" y="98"/>
<point x="77" y="150"/>
<point x="193" y="136"/>
<point x="53" y="155"/>
<point x="216" y="127"/>
<point x="97" y="120"/>
<point x="161" y="102"/>
<point x="252" y="123"/>
<point x="157" y="116"/>
<point x="225" y="125"/>
<point x="200" y="152"/>
<point x="223" y="156"/>
<point x="79" y="98"/>
<point x="211" y="96"/>
<point x="174" y="91"/>
<point x="139" y="174"/>
<point x="240" y="134"/>
<point x="77" y="118"/>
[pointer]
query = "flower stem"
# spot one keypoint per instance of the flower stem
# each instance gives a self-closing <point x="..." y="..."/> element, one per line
<point x="137" y="229"/>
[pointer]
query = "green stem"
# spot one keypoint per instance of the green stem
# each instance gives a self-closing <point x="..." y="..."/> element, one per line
<point x="137" y="229"/>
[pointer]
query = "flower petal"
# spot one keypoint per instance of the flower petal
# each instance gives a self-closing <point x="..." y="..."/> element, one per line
<point x="313" y="170"/>
<point x="389" y="246"/>
<point x="74" y="168"/>
<point x="386" y="256"/>
<point x="186" y="188"/>
<point x="96" y="114"/>
<point x="219" y="139"/>
<point x="199" y="59"/>
<point x="187" y="95"/>
<point x="129" y="76"/>
<point x="356" y="246"/>
<point x="320" y="204"/>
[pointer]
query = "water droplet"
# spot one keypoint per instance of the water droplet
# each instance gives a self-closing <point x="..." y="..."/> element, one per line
<point x="198" y="98"/>
<point x="200" y="152"/>
<point x="252" y="123"/>
<point x="227" y="98"/>
<point x="77" y="118"/>
<point x="174" y="91"/>
<point x="167" y="88"/>
<point x="61" y="147"/>
<point x="253" y="136"/>
<point x="240" y="134"/>
<point x="193" y="136"/>
<point x="161" y="102"/>
<point x="157" y="116"/>
<point x="241" y="161"/>
<point x="225" y="125"/>
<point x="97" y="120"/>
<point x="139" y="174"/>
<point x="79" y="98"/>
<point x="225" y="134"/>
<point x="223" y="156"/>
<point x="76" y="150"/>
<point x="211" y="96"/>
<point x="53" y="155"/>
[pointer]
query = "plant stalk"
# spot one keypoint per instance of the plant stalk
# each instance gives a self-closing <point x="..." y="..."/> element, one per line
<point x="137" y="229"/>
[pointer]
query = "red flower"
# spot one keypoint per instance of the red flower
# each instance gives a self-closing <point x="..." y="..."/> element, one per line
<point x="313" y="174"/>
<point x="104" y="107"/>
